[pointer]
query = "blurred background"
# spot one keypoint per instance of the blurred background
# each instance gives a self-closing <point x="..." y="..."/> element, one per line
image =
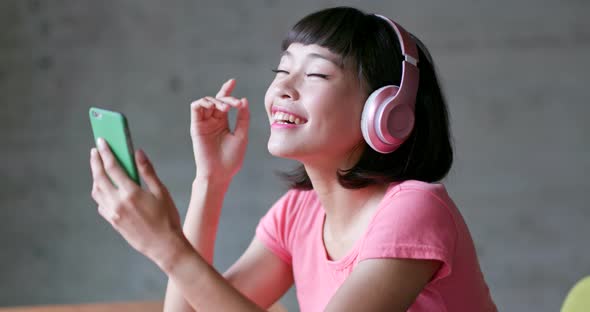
<point x="514" y="72"/>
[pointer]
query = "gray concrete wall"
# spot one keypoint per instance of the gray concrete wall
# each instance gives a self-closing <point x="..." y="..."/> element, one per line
<point x="515" y="74"/>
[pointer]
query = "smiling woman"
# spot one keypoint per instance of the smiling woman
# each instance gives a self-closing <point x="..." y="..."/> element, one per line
<point x="366" y="225"/>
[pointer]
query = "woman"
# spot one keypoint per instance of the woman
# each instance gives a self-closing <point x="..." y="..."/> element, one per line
<point x="364" y="227"/>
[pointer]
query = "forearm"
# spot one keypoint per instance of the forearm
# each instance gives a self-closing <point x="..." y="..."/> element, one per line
<point x="202" y="216"/>
<point x="200" y="229"/>
<point x="201" y="285"/>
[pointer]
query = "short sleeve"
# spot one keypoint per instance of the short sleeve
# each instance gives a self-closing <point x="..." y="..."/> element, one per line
<point x="412" y="224"/>
<point x="275" y="227"/>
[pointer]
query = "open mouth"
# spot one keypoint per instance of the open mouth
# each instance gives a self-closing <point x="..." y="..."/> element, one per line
<point x="282" y="117"/>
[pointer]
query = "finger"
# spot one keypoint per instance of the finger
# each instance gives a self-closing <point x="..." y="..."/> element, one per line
<point x="243" y="119"/>
<point x="202" y="102"/>
<point x="108" y="214"/>
<point x="219" y="110"/>
<point x="97" y="194"/>
<point x="227" y="88"/>
<point x="101" y="180"/>
<point x="208" y="112"/>
<point x="113" y="169"/>
<point x="148" y="173"/>
<point x="232" y="101"/>
<point x="220" y="105"/>
<point x="201" y="110"/>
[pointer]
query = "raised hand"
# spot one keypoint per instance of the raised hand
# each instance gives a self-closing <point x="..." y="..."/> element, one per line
<point x="218" y="151"/>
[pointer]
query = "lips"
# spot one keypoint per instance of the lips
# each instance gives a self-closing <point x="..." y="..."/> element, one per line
<point x="282" y="115"/>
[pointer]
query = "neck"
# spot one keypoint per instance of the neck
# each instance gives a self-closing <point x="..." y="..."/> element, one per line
<point x="342" y="206"/>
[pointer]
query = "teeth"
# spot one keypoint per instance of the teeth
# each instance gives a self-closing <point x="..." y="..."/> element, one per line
<point x="284" y="117"/>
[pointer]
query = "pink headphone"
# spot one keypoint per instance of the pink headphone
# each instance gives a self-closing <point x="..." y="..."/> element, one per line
<point x="388" y="114"/>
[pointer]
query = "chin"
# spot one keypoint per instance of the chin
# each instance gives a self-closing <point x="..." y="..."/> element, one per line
<point x="282" y="151"/>
<point x="277" y="151"/>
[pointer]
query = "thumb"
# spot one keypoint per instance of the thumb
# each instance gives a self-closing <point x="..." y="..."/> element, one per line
<point x="147" y="172"/>
<point x="243" y="119"/>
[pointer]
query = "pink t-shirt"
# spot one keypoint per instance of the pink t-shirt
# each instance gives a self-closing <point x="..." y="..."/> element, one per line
<point x="414" y="220"/>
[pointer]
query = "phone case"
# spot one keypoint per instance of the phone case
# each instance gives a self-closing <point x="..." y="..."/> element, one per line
<point x="113" y="127"/>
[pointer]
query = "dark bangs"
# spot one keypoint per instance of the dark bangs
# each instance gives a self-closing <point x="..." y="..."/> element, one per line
<point x="334" y="30"/>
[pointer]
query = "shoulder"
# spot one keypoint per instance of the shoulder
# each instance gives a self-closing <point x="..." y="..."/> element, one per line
<point x="417" y="201"/>
<point x="412" y="213"/>
<point x="422" y="196"/>
<point x="433" y="189"/>
<point x="279" y="227"/>
<point x="293" y="206"/>
<point x="414" y="221"/>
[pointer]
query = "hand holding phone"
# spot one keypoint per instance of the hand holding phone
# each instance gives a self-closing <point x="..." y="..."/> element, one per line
<point x="148" y="220"/>
<point x="113" y="127"/>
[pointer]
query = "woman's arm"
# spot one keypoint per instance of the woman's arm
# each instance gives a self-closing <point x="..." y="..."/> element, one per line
<point x="200" y="229"/>
<point x="383" y="285"/>
<point x="219" y="154"/>
<point x="201" y="285"/>
<point x="260" y="275"/>
<point x="255" y="281"/>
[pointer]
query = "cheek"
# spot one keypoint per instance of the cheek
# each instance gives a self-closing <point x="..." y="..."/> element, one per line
<point x="348" y="120"/>
<point x="339" y="109"/>
<point x="268" y="98"/>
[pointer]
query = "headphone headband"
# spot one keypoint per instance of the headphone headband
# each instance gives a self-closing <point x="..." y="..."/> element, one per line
<point x="407" y="44"/>
<point x="408" y="87"/>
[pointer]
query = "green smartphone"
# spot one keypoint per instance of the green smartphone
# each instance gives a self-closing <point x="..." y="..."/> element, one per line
<point x="113" y="127"/>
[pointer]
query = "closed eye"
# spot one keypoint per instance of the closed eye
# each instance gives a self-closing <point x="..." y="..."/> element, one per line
<point x="317" y="75"/>
<point x="277" y="71"/>
<point x="281" y="71"/>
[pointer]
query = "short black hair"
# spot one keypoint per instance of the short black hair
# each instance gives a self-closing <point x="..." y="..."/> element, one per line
<point x="371" y="44"/>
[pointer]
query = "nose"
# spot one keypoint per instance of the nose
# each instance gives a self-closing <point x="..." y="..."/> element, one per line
<point x="286" y="89"/>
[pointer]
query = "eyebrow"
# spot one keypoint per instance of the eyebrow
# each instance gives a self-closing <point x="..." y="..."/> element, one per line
<point x="338" y="62"/>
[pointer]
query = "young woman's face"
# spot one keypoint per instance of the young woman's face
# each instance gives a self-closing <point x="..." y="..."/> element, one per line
<point x="314" y="106"/>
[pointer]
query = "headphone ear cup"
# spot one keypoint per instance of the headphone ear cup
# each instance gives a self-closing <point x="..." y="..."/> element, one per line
<point x="384" y="124"/>
<point x="370" y="115"/>
<point x="399" y="122"/>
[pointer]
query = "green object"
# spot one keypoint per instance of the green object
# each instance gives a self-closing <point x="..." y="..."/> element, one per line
<point x="112" y="126"/>
<point x="578" y="299"/>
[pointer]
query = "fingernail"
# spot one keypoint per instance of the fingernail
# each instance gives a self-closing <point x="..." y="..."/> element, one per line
<point x="101" y="143"/>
